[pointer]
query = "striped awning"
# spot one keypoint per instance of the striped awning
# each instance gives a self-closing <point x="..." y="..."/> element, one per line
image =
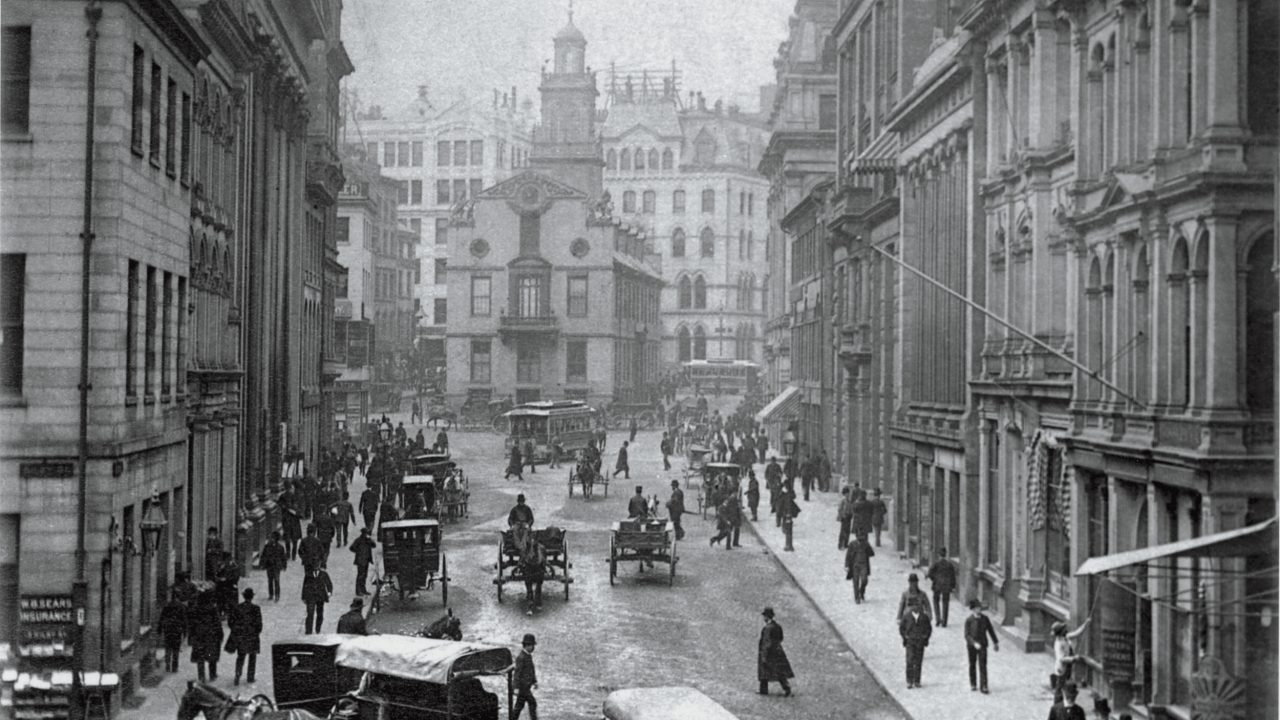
<point x="1258" y="539"/>
<point x="880" y="156"/>
<point x="782" y="407"/>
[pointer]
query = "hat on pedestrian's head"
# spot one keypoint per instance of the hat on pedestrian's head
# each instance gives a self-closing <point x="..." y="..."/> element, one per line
<point x="529" y="639"/>
<point x="1102" y="705"/>
<point x="913" y="578"/>
<point x="357" y="603"/>
<point x="639" y="488"/>
<point x="365" y="531"/>
<point x="675" y="483"/>
<point x="248" y="593"/>
<point x="520" y="498"/>
<point x="1058" y="628"/>
<point x="767" y="612"/>
<point x="975" y="604"/>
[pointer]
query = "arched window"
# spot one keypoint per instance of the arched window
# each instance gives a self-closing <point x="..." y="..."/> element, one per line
<point x="685" y="347"/>
<point x="700" y="293"/>
<point x="611" y="159"/>
<point x="677" y="242"/>
<point x="668" y="159"/>
<point x="677" y="201"/>
<point x="686" y="293"/>
<point x="750" y="303"/>
<point x="1105" y="361"/>
<point x="1199" y="337"/>
<point x="1259" y="325"/>
<point x="707" y="242"/>
<point x="650" y="202"/>
<point x="1141" y="325"/>
<point x="639" y="159"/>
<point x="699" y="343"/>
<point x="1093" y="298"/>
<point x="624" y="161"/>
<point x="751" y="243"/>
<point x="629" y="201"/>
<point x="653" y="159"/>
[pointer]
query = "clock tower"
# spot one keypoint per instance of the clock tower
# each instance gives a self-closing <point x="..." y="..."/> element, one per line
<point x="565" y="145"/>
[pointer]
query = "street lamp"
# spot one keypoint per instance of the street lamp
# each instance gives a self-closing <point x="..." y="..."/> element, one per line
<point x="789" y="443"/>
<point x="153" y="524"/>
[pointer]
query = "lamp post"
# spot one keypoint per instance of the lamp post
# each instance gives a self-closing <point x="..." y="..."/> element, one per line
<point x="153" y="524"/>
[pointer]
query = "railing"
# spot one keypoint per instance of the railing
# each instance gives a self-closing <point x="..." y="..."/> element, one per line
<point x="526" y="322"/>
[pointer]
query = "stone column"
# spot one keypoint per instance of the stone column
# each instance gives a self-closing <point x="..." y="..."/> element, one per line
<point x="1225" y="631"/>
<point x="1222" y="369"/>
<point x="1047" y="75"/>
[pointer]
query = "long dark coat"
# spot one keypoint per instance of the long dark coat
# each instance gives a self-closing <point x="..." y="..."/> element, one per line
<point x="771" y="663"/>
<point x="516" y="463"/>
<point x="246" y="625"/>
<point x="204" y="632"/>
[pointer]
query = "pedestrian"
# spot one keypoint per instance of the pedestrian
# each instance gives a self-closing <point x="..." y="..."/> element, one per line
<point x="352" y="621"/>
<point x="753" y="493"/>
<point x="529" y="456"/>
<point x="771" y="660"/>
<point x="725" y="514"/>
<point x="977" y="628"/>
<point x="1066" y="707"/>
<point x="637" y="506"/>
<point x="311" y="551"/>
<point x="228" y="584"/>
<point x="600" y="438"/>
<point x="857" y="564"/>
<point x="788" y="510"/>
<point x="274" y="560"/>
<point x="675" y="507"/>
<point x="526" y="679"/>
<point x="212" y="554"/>
<point x="859" y="512"/>
<point x="824" y="472"/>
<point x="622" y="466"/>
<point x="1064" y="655"/>
<point x="316" y="589"/>
<point x="942" y="575"/>
<point x="420" y="440"/>
<point x="442" y="441"/>
<point x="245" y="625"/>
<point x="415" y="415"/>
<point x="291" y="520"/>
<point x="915" y="629"/>
<point x="342" y="518"/>
<point x="773" y="482"/>
<point x="913" y="593"/>
<point x="325" y="530"/>
<point x="878" y="513"/>
<point x="204" y="633"/>
<point x="808" y="475"/>
<point x="665" y="447"/>
<point x="173" y="627"/>
<point x="363" y="548"/>
<point x="515" y="465"/>
<point x="844" y="513"/>
<point x="557" y="451"/>
<point x="762" y="445"/>
<point x="369" y="506"/>
<point x="632" y="428"/>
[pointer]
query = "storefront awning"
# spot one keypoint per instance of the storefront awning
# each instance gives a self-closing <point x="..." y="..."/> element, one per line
<point x="786" y="402"/>
<point x="1256" y="539"/>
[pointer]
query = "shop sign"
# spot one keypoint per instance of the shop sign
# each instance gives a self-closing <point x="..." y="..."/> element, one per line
<point x="46" y="626"/>
<point x="46" y="470"/>
<point x="1118" y="653"/>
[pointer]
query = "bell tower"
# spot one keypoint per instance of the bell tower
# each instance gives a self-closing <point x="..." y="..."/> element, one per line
<point x="565" y="145"/>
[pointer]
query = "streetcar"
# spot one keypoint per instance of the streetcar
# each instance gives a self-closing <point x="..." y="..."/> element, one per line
<point x="729" y="377"/>
<point x="541" y="422"/>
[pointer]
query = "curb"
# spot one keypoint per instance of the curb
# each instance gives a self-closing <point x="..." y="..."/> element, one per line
<point x="830" y="623"/>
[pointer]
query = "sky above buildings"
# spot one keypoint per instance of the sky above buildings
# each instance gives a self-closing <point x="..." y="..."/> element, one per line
<point x="723" y="48"/>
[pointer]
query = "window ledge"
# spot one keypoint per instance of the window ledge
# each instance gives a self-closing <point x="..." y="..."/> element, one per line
<point x="17" y="137"/>
<point x="12" y="401"/>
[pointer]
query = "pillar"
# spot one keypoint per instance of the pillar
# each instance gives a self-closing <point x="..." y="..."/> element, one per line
<point x="1222" y="329"/>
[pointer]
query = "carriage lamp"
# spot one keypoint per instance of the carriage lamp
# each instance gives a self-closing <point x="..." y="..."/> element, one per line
<point x="789" y="443"/>
<point x="153" y="524"/>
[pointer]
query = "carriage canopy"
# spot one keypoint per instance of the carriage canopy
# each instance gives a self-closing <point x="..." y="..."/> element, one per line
<point x="421" y="659"/>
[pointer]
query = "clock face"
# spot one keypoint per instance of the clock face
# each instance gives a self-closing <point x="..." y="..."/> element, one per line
<point x="580" y="247"/>
<point x="479" y="247"/>
<point x="530" y="196"/>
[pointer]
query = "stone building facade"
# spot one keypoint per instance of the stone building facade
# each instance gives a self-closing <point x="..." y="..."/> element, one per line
<point x="685" y="175"/>
<point x="555" y="297"/>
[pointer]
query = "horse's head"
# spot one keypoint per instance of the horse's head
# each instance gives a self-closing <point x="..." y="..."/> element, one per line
<point x="202" y="699"/>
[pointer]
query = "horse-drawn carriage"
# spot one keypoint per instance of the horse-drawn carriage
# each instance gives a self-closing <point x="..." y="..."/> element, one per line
<point x="479" y="412"/>
<point x="696" y="458"/>
<point x="525" y="554"/>
<point x="645" y="541"/>
<point x="412" y="559"/>
<point x="585" y="474"/>
<point x="618" y="415"/>
<point x="719" y="479"/>
<point x="389" y="677"/>
<point x="418" y="497"/>
<point x="450" y="484"/>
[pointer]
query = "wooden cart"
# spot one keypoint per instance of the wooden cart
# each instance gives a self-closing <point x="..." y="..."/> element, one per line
<point x="556" y="568"/>
<point x="645" y="541"/>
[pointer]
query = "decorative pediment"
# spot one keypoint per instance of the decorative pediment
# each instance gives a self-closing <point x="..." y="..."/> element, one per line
<point x="531" y="193"/>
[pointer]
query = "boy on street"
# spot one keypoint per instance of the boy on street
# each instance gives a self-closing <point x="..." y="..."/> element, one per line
<point x="977" y="628"/>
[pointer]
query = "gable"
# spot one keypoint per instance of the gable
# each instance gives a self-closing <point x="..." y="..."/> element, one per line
<point x="548" y="186"/>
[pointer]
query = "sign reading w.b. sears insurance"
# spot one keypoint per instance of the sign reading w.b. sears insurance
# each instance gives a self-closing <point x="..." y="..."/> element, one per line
<point x="47" y="625"/>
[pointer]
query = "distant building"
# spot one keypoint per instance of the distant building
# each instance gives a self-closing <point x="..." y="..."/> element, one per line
<point x="552" y="296"/>
<point x="687" y="176"/>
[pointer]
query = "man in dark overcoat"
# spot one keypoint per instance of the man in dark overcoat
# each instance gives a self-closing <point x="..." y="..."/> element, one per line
<point x="291" y="520"/>
<point x="316" y="589"/>
<point x="173" y="626"/>
<point x="525" y="679"/>
<point x="622" y="465"/>
<point x="857" y="563"/>
<point x="245" y="625"/>
<point x="942" y="575"/>
<point x="773" y="483"/>
<point x="204" y="633"/>
<point x="274" y="560"/>
<point x="363" y="548"/>
<point x="311" y="551"/>
<point x="675" y="508"/>
<point x="352" y="621"/>
<point x="369" y="506"/>
<point x="915" y="629"/>
<point x="771" y="661"/>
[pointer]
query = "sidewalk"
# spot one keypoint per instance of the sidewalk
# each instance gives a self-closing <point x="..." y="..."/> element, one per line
<point x="281" y="620"/>
<point x="1018" y="681"/>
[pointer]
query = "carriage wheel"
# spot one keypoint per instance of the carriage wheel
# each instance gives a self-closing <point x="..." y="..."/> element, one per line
<point x="263" y="700"/>
<point x="498" y="582"/>
<point x="613" y="560"/>
<point x="571" y="473"/>
<point x="376" y="603"/>
<point x="564" y="556"/>
<point x="500" y="424"/>
<point x="672" y="580"/>
<point x="444" y="579"/>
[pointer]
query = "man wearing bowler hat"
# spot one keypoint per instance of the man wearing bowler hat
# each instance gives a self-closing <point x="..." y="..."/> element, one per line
<point x="772" y="664"/>
<point x="352" y="621"/>
<point x="526" y="678"/>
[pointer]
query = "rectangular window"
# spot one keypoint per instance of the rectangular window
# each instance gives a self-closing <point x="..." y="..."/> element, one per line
<point x="415" y="225"/>
<point x="577" y="296"/>
<point x="481" y="292"/>
<point x="371" y="152"/>
<point x="415" y="192"/>
<point x="442" y="192"/>
<point x="149" y="339"/>
<point x="677" y="201"/>
<point x="139" y="99"/>
<point x="388" y="154"/>
<point x="131" y="331"/>
<point x="13" y="279"/>
<point x="442" y="231"/>
<point x="181" y="336"/>
<point x="441" y="311"/>
<point x="459" y="190"/>
<point x="402" y="192"/>
<point x="442" y="271"/>
<point x="708" y="201"/>
<point x="342" y="231"/>
<point x="402" y="153"/>
<point x="15" y="97"/>
<point x="742" y="202"/>
<point x="477" y="152"/>
<point x="166" y="335"/>
<point x="530" y="234"/>
<point x="751" y="203"/>
<point x="649" y="202"/>
<point x="576" y="361"/>
<point x="171" y="129"/>
<point x="417" y="153"/>
<point x="184" y="168"/>
<point x="442" y="153"/>
<point x="460" y="153"/>
<point x="826" y="112"/>
<point x="156" y="89"/>
<point x="528" y="364"/>
<point x="480" y="361"/>
<point x="476" y="186"/>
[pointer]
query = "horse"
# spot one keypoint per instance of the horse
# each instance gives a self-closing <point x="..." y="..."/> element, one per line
<point x="203" y="699"/>
<point x="586" y="471"/>
<point x="447" y="626"/>
<point x="533" y="561"/>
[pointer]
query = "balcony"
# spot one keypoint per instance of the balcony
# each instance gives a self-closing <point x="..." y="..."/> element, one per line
<point x="529" y="327"/>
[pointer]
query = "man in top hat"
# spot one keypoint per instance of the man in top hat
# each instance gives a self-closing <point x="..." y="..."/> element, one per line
<point x="977" y="628"/>
<point x="352" y="621"/>
<point x="913" y="592"/>
<point x="526" y="678"/>
<point x="675" y="508"/>
<point x="772" y="664"/>
<point x="520" y="513"/>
